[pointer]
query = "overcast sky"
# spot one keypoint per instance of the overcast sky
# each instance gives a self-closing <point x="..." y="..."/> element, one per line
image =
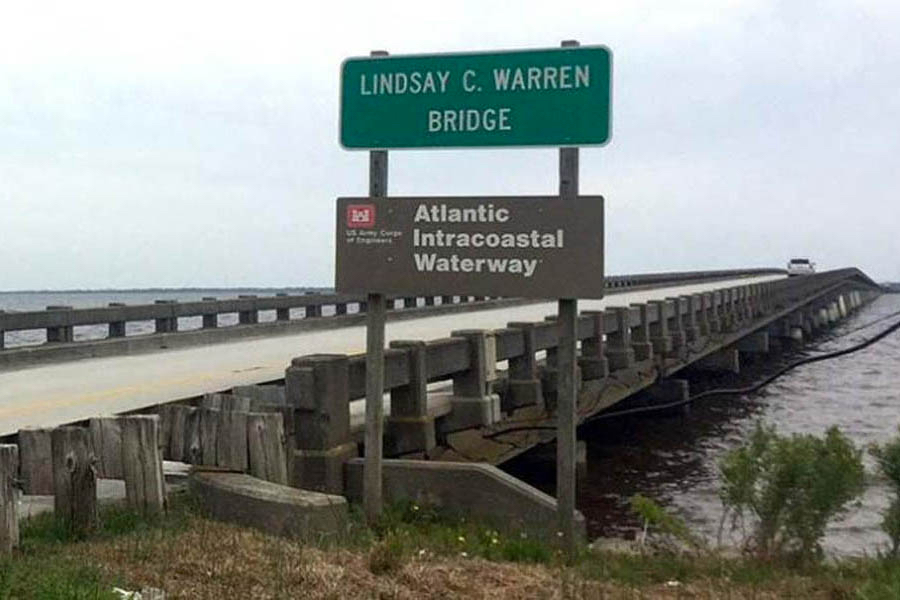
<point x="195" y="144"/>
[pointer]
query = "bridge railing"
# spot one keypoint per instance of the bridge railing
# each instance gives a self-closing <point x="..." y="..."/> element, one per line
<point x="59" y="321"/>
<point x="441" y="386"/>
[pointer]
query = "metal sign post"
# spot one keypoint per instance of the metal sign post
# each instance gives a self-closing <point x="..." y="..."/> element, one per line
<point x="567" y="403"/>
<point x="375" y="317"/>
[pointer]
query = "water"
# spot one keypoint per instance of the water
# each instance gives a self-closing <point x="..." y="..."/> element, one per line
<point x="674" y="460"/>
<point x="22" y="301"/>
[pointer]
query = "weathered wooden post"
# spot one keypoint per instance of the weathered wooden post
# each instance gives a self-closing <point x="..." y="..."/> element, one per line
<point x="9" y="498"/>
<point x="74" y="479"/>
<point x="106" y="441"/>
<point x="265" y="445"/>
<point x="36" y="467"/>
<point x="142" y="464"/>
<point x="231" y="440"/>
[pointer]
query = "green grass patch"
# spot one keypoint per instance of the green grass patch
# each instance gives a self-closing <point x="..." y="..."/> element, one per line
<point x="51" y="577"/>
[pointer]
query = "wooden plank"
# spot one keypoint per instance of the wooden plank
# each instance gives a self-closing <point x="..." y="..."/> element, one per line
<point x="266" y="447"/>
<point x="231" y="445"/>
<point x="106" y="440"/>
<point x="226" y="402"/>
<point x="74" y="479"/>
<point x="179" y="436"/>
<point x="9" y="498"/>
<point x="193" y="447"/>
<point x="209" y="427"/>
<point x="142" y="464"/>
<point x="36" y="468"/>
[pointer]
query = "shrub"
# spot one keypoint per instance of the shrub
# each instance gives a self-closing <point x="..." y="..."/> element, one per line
<point x="790" y="487"/>
<point x="888" y="459"/>
<point x="655" y="516"/>
<point x="387" y="556"/>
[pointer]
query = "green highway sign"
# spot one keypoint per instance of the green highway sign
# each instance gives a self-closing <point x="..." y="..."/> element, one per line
<point x="549" y="97"/>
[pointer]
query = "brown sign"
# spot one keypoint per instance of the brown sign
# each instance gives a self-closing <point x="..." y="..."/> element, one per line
<point x="533" y="246"/>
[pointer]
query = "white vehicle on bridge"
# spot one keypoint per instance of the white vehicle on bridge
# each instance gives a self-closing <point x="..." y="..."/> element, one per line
<point x="800" y="266"/>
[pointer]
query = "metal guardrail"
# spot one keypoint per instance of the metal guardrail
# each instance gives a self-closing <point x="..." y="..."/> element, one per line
<point x="59" y="321"/>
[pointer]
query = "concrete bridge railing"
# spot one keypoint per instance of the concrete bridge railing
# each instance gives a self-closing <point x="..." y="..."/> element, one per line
<point x="60" y="322"/>
<point x="474" y="378"/>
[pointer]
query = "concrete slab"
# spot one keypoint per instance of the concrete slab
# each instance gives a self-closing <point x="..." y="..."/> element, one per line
<point x="270" y="507"/>
<point x="476" y="489"/>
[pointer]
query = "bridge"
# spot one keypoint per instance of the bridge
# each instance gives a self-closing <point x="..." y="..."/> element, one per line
<point x="467" y="379"/>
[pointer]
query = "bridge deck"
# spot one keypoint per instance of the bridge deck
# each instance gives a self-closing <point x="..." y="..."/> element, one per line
<point x="49" y="395"/>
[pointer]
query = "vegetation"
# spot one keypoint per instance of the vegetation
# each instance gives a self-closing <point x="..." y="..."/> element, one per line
<point x="414" y="552"/>
<point x="674" y="529"/>
<point x="790" y="487"/>
<point x="888" y="459"/>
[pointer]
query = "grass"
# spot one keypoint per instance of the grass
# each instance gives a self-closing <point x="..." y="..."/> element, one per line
<point x="413" y="552"/>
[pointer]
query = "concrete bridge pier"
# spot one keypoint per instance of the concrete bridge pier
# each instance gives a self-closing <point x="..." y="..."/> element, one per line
<point x="640" y="335"/>
<point x="474" y="405"/>
<point x="249" y="316"/>
<point x="317" y="387"/>
<point x="727" y="314"/>
<point x="727" y="360"/>
<point x="676" y="328"/>
<point x="524" y="384"/>
<point x="754" y="345"/>
<point x="60" y="333"/>
<point x="116" y="328"/>
<point x="619" y="350"/>
<point x="796" y="331"/>
<point x="690" y="326"/>
<point x="211" y="318"/>
<point x="711" y="302"/>
<point x="660" y="340"/>
<point x="593" y="362"/>
<point x="167" y="324"/>
<point x="410" y="428"/>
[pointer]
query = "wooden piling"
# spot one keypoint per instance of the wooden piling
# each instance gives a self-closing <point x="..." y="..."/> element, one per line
<point x="142" y="464"/>
<point x="9" y="498"/>
<point x="74" y="479"/>
<point x="231" y="442"/>
<point x="265" y="445"/>
<point x="106" y="439"/>
<point x="36" y="468"/>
